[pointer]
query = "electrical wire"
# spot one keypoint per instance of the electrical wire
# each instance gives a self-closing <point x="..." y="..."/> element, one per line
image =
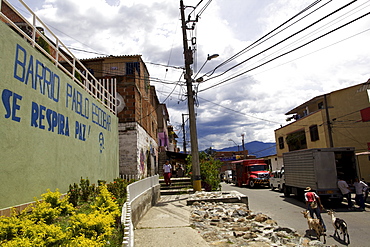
<point x="238" y="112"/>
<point x="261" y="40"/>
<point x="326" y="26"/>
<point x="282" y="41"/>
<point x="154" y="110"/>
<point x="286" y="53"/>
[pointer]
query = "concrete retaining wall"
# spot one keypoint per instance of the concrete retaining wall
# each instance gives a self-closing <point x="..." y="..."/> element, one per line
<point x="141" y="196"/>
<point x="143" y="203"/>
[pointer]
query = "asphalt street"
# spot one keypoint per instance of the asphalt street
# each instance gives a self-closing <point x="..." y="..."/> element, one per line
<point x="287" y="212"/>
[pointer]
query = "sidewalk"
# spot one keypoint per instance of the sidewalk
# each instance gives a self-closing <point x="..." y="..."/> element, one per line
<point x="167" y="224"/>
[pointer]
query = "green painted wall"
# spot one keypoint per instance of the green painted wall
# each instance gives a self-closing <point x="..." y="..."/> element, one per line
<point x="52" y="132"/>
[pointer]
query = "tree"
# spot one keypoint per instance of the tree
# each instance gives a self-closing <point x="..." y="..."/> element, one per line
<point x="209" y="171"/>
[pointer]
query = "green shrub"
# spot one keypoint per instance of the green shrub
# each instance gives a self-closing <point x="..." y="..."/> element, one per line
<point x="95" y="226"/>
<point x="209" y="171"/>
<point x="82" y="241"/>
<point x="54" y="198"/>
<point x="53" y="221"/>
<point x="87" y="190"/>
<point x="73" y="194"/>
<point x="119" y="189"/>
<point x="10" y="227"/>
<point x="105" y="202"/>
<point x="43" y="212"/>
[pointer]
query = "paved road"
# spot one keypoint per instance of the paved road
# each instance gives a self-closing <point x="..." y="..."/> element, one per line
<point x="286" y="211"/>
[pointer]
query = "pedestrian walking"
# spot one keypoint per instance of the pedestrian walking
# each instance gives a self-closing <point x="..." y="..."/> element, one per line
<point x="167" y="172"/>
<point x="313" y="204"/>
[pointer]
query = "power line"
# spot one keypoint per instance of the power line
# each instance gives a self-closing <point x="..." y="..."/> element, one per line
<point x="261" y="40"/>
<point x="286" y="53"/>
<point x="281" y="41"/>
<point x="238" y="112"/>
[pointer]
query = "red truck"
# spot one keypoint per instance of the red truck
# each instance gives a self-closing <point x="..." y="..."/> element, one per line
<point x="251" y="172"/>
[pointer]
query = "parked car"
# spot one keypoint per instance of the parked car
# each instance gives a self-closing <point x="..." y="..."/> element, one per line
<point x="229" y="176"/>
<point x="277" y="180"/>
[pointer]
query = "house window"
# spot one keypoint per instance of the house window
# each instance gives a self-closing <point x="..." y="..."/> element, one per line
<point x="132" y="67"/>
<point x="320" y="105"/>
<point x="314" y="133"/>
<point x="281" y="142"/>
<point x="296" y="140"/>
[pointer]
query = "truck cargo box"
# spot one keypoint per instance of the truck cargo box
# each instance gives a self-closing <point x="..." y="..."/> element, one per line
<point x="319" y="169"/>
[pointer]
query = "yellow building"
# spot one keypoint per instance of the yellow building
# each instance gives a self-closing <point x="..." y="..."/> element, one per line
<point x="337" y="119"/>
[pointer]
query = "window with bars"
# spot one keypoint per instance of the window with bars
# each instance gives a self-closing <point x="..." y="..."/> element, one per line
<point x="131" y="67"/>
<point x="314" y="133"/>
<point x="281" y="142"/>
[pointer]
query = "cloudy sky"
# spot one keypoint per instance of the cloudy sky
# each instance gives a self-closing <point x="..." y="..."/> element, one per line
<point x="254" y="81"/>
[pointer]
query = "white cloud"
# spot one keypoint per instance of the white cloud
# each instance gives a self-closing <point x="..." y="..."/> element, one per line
<point x="254" y="103"/>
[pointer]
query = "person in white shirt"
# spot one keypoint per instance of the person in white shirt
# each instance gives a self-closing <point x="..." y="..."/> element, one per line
<point x="167" y="172"/>
<point x="360" y="187"/>
<point x="343" y="186"/>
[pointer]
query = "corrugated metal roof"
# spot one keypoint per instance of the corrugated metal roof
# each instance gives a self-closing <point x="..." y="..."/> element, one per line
<point x="111" y="56"/>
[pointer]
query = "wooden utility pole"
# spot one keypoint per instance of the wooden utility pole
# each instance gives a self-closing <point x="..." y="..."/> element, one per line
<point x="188" y="56"/>
<point x="183" y="133"/>
<point x="330" y="131"/>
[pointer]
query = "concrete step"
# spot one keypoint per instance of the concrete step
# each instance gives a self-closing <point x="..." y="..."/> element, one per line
<point x="178" y="186"/>
<point x="177" y="191"/>
<point x="183" y="179"/>
<point x="174" y="186"/>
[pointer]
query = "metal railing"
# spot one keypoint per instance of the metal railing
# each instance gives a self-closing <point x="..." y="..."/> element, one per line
<point x="62" y="57"/>
<point x="130" y="176"/>
<point x="134" y="191"/>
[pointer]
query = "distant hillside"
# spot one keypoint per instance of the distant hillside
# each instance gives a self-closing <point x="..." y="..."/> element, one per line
<point x="260" y="149"/>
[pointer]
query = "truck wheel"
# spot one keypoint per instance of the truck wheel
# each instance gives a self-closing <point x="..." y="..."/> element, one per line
<point x="251" y="184"/>
<point x="286" y="191"/>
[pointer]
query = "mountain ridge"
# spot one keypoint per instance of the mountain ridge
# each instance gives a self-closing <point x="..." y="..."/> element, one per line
<point x="257" y="148"/>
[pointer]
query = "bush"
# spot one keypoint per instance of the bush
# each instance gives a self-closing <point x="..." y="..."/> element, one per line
<point x="209" y="171"/>
<point x="105" y="202"/>
<point x="53" y="221"/>
<point x="96" y="226"/>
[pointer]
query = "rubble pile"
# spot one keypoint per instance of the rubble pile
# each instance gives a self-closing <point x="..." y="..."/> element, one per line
<point x="233" y="224"/>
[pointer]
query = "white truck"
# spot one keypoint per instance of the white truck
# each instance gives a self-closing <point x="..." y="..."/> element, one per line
<point x="229" y="176"/>
<point x="319" y="168"/>
<point x="277" y="180"/>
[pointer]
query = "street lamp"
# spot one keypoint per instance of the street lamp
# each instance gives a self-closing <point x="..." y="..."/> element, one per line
<point x="231" y="140"/>
<point x="208" y="58"/>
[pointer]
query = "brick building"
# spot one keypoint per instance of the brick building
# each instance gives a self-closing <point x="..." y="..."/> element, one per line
<point x="137" y="112"/>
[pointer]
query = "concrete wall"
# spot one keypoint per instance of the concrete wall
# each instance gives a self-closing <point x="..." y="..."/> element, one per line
<point x="138" y="151"/>
<point x="52" y="132"/>
<point x="141" y="205"/>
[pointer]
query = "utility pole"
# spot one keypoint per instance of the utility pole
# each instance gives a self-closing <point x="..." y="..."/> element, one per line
<point x="244" y="156"/>
<point x="188" y="56"/>
<point x="331" y="143"/>
<point x="183" y="132"/>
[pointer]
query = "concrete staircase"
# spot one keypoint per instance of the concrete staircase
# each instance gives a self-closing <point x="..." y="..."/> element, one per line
<point x="179" y="186"/>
